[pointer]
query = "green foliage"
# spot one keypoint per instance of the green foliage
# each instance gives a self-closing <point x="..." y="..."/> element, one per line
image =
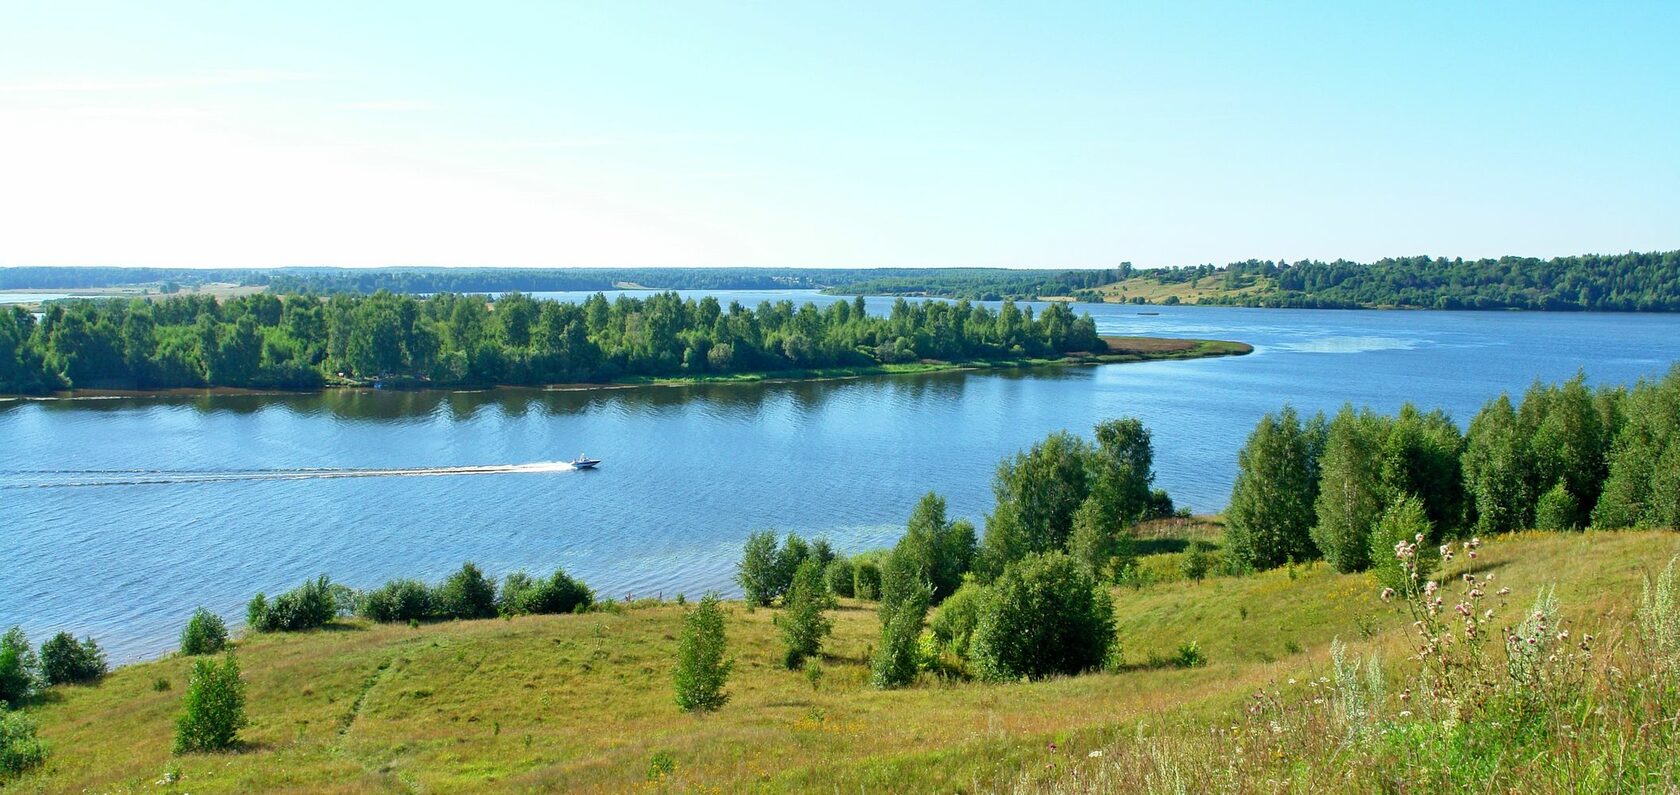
<point x="866" y="577"/>
<point x="64" y="660"/>
<point x="1643" y="486"/>
<point x="1197" y="560"/>
<point x="466" y="594"/>
<point x="953" y="625"/>
<point x="1189" y="655"/>
<point x="841" y="579"/>
<point x="20" y="749"/>
<point x="308" y="606"/>
<point x="1557" y="509"/>
<point x="213" y="711"/>
<point x="1421" y="456"/>
<point x="446" y="338"/>
<point x="802" y="622"/>
<point x="1496" y="469"/>
<point x="905" y="597"/>
<point x="1271" y="514"/>
<point x="1045" y="616"/>
<point x="1405" y="520"/>
<point x="205" y="633"/>
<point x="399" y="600"/>
<point x="661" y="766"/>
<point x="1351" y="494"/>
<point x="1038" y="492"/>
<point x="20" y="669"/>
<point x="766" y="572"/>
<point x="702" y="668"/>
<point x="939" y="551"/>
<point x="1100" y="544"/>
<point x="558" y="594"/>
<point x="1658" y="619"/>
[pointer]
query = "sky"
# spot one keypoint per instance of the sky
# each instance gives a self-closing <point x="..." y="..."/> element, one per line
<point x="817" y="134"/>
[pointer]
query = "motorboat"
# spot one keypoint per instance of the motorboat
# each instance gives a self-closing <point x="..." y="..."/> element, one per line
<point x="584" y="462"/>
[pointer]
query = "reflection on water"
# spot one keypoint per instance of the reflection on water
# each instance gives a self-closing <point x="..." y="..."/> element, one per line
<point x="687" y="471"/>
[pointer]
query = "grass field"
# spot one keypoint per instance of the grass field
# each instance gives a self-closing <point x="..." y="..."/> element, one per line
<point x="584" y="702"/>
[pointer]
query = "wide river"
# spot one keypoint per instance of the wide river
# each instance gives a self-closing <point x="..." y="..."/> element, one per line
<point x="118" y="516"/>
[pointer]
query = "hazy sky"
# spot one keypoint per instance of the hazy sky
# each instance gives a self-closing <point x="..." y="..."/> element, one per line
<point x="1033" y="134"/>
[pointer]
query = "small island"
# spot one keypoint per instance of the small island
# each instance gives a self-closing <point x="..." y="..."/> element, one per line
<point x="303" y="341"/>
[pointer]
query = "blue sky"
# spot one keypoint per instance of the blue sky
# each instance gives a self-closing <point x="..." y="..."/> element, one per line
<point x="832" y="134"/>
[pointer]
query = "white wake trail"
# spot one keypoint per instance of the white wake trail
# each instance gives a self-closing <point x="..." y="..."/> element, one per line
<point x="66" y="478"/>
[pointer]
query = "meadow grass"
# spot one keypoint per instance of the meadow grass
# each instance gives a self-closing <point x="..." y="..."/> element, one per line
<point x="585" y="702"/>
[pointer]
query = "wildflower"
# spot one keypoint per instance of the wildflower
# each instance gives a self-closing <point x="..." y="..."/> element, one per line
<point x="1429" y="588"/>
<point x="1472" y="554"/>
<point x="1504" y="591"/>
<point x="1097" y="754"/>
<point x="1474" y="542"/>
<point x="1488" y="615"/>
<point x="1405" y="713"/>
<point x="1388" y="594"/>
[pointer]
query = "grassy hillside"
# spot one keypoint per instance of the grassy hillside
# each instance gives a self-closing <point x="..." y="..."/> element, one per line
<point x="584" y="701"/>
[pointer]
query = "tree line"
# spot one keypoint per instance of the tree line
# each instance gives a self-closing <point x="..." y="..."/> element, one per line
<point x="1352" y="487"/>
<point x="1632" y="282"/>
<point x="304" y="341"/>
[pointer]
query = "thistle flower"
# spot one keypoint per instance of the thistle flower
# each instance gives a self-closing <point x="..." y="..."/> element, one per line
<point x="1387" y="594"/>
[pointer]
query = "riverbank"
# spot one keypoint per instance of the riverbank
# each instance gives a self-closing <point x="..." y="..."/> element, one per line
<point x="1120" y="350"/>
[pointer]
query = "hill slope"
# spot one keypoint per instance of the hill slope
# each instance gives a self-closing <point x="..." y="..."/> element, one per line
<point x="584" y="701"/>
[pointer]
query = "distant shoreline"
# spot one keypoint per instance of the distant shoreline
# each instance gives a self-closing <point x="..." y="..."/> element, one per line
<point x="1121" y="350"/>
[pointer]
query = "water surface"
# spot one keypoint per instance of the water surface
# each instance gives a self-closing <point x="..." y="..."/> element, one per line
<point x="118" y="516"/>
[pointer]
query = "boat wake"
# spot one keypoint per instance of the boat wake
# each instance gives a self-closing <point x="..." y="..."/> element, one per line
<point x="86" y="478"/>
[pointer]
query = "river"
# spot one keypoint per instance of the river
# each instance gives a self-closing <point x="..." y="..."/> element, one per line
<point x="119" y="516"/>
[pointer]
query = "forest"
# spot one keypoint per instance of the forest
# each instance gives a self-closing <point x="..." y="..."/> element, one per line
<point x="307" y="341"/>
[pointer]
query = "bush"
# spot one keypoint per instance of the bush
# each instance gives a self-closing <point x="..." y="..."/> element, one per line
<point x="802" y="622"/>
<point x="558" y="594"/>
<point x="214" y="709"/>
<point x="65" y="661"/>
<point x="19" y="668"/>
<point x="702" y="670"/>
<point x="904" y="603"/>
<point x="465" y="594"/>
<point x="1189" y="655"/>
<point x="866" y="577"/>
<point x="941" y="551"/>
<point x="1046" y="616"/>
<point x="308" y="606"/>
<point x="840" y="578"/>
<point x="20" y="749"/>
<point x="399" y="600"/>
<point x="205" y="633"/>
<point x="953" y="625"/>
<point x="1196" y="561"/>
<point x="1557" y="510"/>
<point x="1402" y="526"/>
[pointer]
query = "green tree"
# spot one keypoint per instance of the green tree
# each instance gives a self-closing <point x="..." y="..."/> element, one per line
<point x="1557" y="509"/>
<point x="905" y="597"/>
<point x="1045" y="616"/>
<point x="1496" y="469"/>
<point x="841" y="578"/>
<point x="1350" y="489"/>
<point x="940" y="551"/>
<point x="214" y="709"/>
<point x="1422" y="456"/>
<point x="20" y="749"/>
<point x="702" y="667"/>
<point x="64" y="660"/>
<point x="466" y="594"/>
<point x="19" y="667"/>
<point x="1271" y="513"/>
<point x="1038" y="492"/>
<point x="803" y="621"/>
<point x="205" y="633"/>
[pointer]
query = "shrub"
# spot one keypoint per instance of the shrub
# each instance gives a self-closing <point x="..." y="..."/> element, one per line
<point x="19" y="668"/>
<point x="1557" y="510"/>
<point x="702" y="669"/>
<point x="941" y="551"/>
<point x="765" y="572"/>
<point x="205" y="633"/>
<point x="65" y="661"/>
<point x="1196" y="561"/>
<point x="802" y="622"/>
<point x="1189" y="655"/>
<point x="866" y="578"/>
<point x="661" y="766"/>
<point x="20" y="749"/>
<point x="465" y="594"/>
<point x="953" y="626"/>
<point x="1046" y="616"/>
<point x="1658" y="619"/>
<point x="904" y="604"/>
<point x="308" y="606"/>
<point x="840" y="578"/>
<point x="399" y="600"/>
<point x="1406" y="523"/>
<point x="558" y="594"/>
<point x="214" y="708"/>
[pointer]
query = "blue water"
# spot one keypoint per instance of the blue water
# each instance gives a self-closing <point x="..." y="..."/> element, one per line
<point x="206" y="500"/>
